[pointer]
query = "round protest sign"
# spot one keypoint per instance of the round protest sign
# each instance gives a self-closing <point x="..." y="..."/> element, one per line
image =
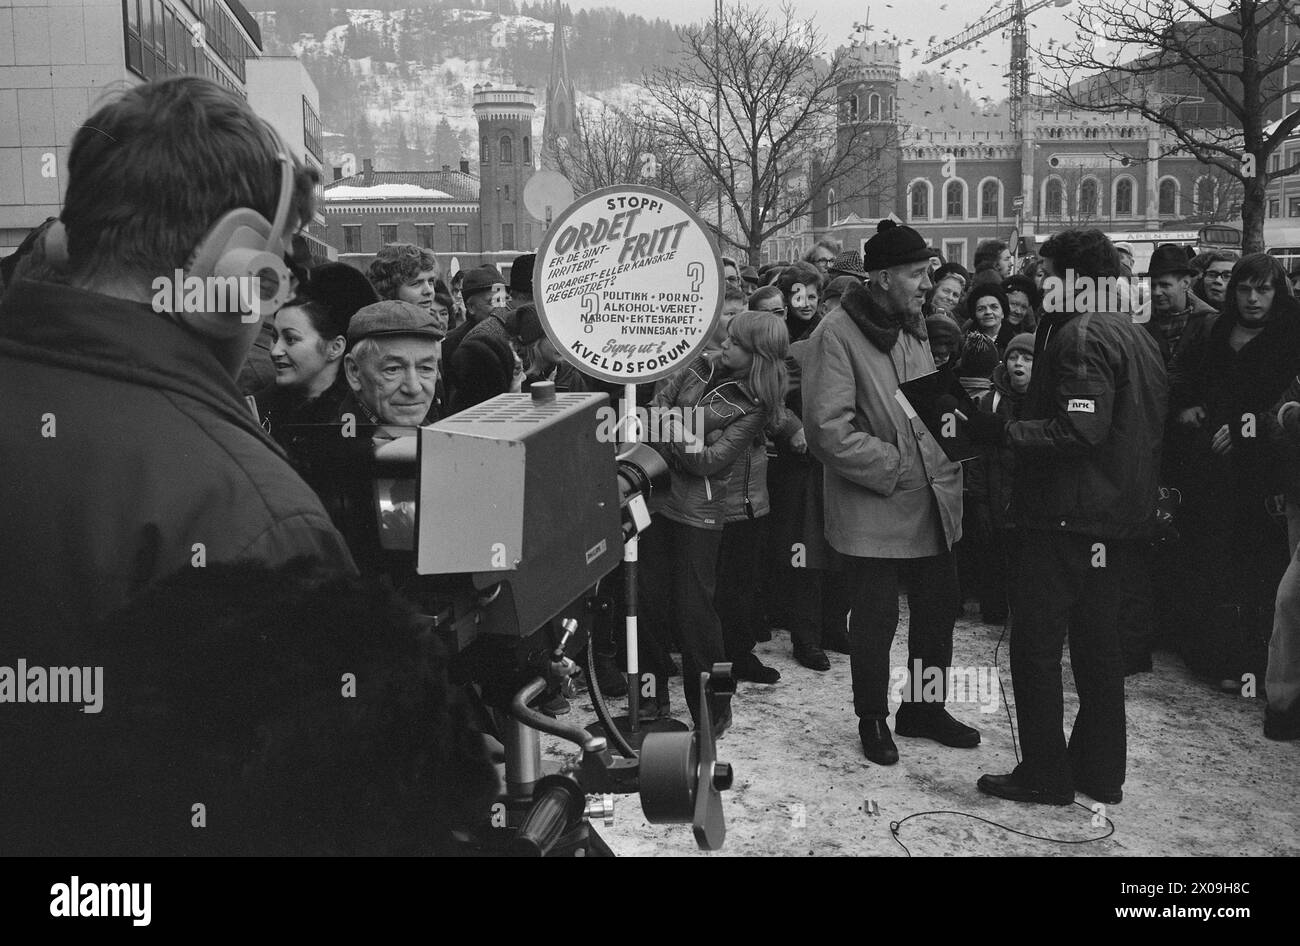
<point x="628" y="284"/>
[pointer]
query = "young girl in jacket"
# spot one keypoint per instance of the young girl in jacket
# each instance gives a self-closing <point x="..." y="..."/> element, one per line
<point x="737" y="391"/>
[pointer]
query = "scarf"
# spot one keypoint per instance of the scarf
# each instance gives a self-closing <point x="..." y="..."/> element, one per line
<point x="880" y="327"/>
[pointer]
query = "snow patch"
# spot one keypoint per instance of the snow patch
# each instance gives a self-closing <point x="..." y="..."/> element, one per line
<point x="384" y="192"/>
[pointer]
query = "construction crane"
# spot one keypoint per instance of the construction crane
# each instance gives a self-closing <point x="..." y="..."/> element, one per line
<point x="1018" y="72"/>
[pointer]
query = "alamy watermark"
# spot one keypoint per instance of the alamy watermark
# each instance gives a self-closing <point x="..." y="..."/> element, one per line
<point x="222" y="295"/>
<point x="654" y="425"/>
<point x="1075" y="292"/>
<point x="960" y="685"/>
<point x="24" y="684"/>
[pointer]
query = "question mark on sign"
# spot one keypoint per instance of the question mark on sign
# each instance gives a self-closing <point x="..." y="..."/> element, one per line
<point x="695" y="273"/>
<point x="590" y="309"/>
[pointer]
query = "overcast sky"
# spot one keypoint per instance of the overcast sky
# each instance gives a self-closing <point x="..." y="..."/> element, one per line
<point x="892" y="21"/>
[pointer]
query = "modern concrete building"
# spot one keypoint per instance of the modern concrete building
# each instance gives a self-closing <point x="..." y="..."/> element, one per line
<point x="57" y="57"/>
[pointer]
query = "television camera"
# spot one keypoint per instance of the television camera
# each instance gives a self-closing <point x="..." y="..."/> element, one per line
<point x="498" y="523"/>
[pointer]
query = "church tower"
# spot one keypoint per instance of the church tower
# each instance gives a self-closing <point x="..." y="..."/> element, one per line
<point x="561" y="100"/>
<point x="505" y="143"/>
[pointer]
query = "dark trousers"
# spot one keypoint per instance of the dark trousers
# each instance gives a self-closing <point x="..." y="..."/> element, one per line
<point x="678" y="577"/>
<point x="740" y="562"/>
<point x="1063" y="588"/>
<point x="932" y="598"/>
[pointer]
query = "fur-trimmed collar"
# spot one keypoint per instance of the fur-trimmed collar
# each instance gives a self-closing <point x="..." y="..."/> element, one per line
<point x="880" y="328"/>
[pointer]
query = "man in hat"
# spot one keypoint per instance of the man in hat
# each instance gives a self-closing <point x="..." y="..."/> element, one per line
<point x="1125" y="251"/>
<point x="893" y="498"/>
<point x="484" y="364"/>
<point x="848" y="263"/>
<point x="1174" y="307"/>
<point x="392" y="364"/>
<point x="521" y="280"/>
<point x="482" y="290"/>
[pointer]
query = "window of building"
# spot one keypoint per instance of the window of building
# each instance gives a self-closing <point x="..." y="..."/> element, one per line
<point x="134" y="53"/>
<point x="507" y="236"/>
<point x="920" y="202"/>
<point x="387" y="233"/>
<point x="873" y="107"/>
<point x="482" y="151"/>
<point x="1054" y="202"/>
<point x="832" y="211"/>
<point x="311" y="130"/>
<point x="352" y="239"/>
<point x="853" y="107"/>
<point x="1205" y="195"/>
<point x="1167" y="198"/>
<point x="1274" y="207"/>
<point x="459" y="237"/>
<point x="528" y="236"/>
<point x="990" y="200"/>
<point x="954" y="199"/>
<point x="1124" y="198"/>
<point x="1088" y="198"/>
<point x="528" y="150"/>
<point x="954" y="251"/>
<point x="1293" y="207"/>
<point x="505" y="191"/>
<point x="507" y="150"/>
<point x="424" y="235"/>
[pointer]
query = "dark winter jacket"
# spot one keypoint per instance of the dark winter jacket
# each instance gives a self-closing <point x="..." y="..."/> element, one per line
<point x="480" y="365"/>
<point x="991" y="476"/>
<point x="1285" y="438"/>
<point x="1234" y="387"/>
<point x="129" y="454"/>
<point x="1088" y="441"/>
<point x="295" y="423"/>
<point x="1170" y="331"/>
<point x="733" y="421"/>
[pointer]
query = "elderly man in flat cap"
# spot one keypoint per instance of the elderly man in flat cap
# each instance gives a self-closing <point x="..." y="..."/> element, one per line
<point x="893" y="498"/>
<point x="392" y="364"/>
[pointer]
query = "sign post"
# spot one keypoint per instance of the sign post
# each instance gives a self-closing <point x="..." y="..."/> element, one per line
<point x="628" y="286"/>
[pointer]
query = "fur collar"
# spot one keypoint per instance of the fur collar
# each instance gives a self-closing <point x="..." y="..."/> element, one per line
<point x="880" y="328"/>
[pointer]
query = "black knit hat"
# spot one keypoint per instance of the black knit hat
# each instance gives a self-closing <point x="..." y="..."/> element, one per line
<point x="950" y="269"/>
<point x="895" y="245"/>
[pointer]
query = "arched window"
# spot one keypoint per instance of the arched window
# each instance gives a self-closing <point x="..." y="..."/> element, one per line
<point x="954" y="199"/>
<point x="1205" y="195"/>
<point x="890" y="113"/>
<point x="528" y="150"/>
<point x="920" y="203"/>
<point x="832" y="211"/>
<point x="1124" y="197"/>
<point x="873" y="107"/>
<point x="1088" y="198"/>
<point x="990" y="199"/>
<point x="483" y="151"/>
<point x="1168" y="198"/>
<point x="507" y="150"/>
<point x="853" y="107"/>
<point x="1054" y="199"/>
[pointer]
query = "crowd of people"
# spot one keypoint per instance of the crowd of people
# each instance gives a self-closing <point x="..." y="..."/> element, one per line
<point x="1129" y="477"/>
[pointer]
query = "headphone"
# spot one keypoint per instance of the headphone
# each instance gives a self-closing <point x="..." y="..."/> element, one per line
<point x="241" y="245"/>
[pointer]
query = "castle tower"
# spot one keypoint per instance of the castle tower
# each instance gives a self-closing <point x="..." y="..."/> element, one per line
<point x="868" y="108"/>
<point x="505" y="141"/>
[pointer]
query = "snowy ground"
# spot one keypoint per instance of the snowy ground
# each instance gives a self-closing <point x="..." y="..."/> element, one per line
<point x="1202" y="779"/>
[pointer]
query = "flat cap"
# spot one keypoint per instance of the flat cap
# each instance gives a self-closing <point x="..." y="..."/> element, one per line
<point x="393" y="317"/>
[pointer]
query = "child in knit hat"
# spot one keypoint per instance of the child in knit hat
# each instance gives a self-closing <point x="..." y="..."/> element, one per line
<point x="989" y="481"/>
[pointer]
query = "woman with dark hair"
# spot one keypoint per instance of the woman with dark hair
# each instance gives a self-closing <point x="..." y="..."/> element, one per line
<point x="1225" y="377"/>
<point x="800" y="581"/>
<point x="310" y="339"/>
<point x="986" y="308"/>
<point x="1023" y="304"/>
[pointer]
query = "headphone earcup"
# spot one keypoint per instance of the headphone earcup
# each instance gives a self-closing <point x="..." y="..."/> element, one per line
<point x="238" y="270"/>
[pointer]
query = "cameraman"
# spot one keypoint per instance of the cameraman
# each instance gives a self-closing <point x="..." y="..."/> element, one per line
<point x="129" y="451"/>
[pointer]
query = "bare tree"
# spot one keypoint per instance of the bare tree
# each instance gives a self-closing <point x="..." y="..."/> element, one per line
<point x="771" y="147"/>
<point x="1233" y="54"/>
<point x="609" y="147"/>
